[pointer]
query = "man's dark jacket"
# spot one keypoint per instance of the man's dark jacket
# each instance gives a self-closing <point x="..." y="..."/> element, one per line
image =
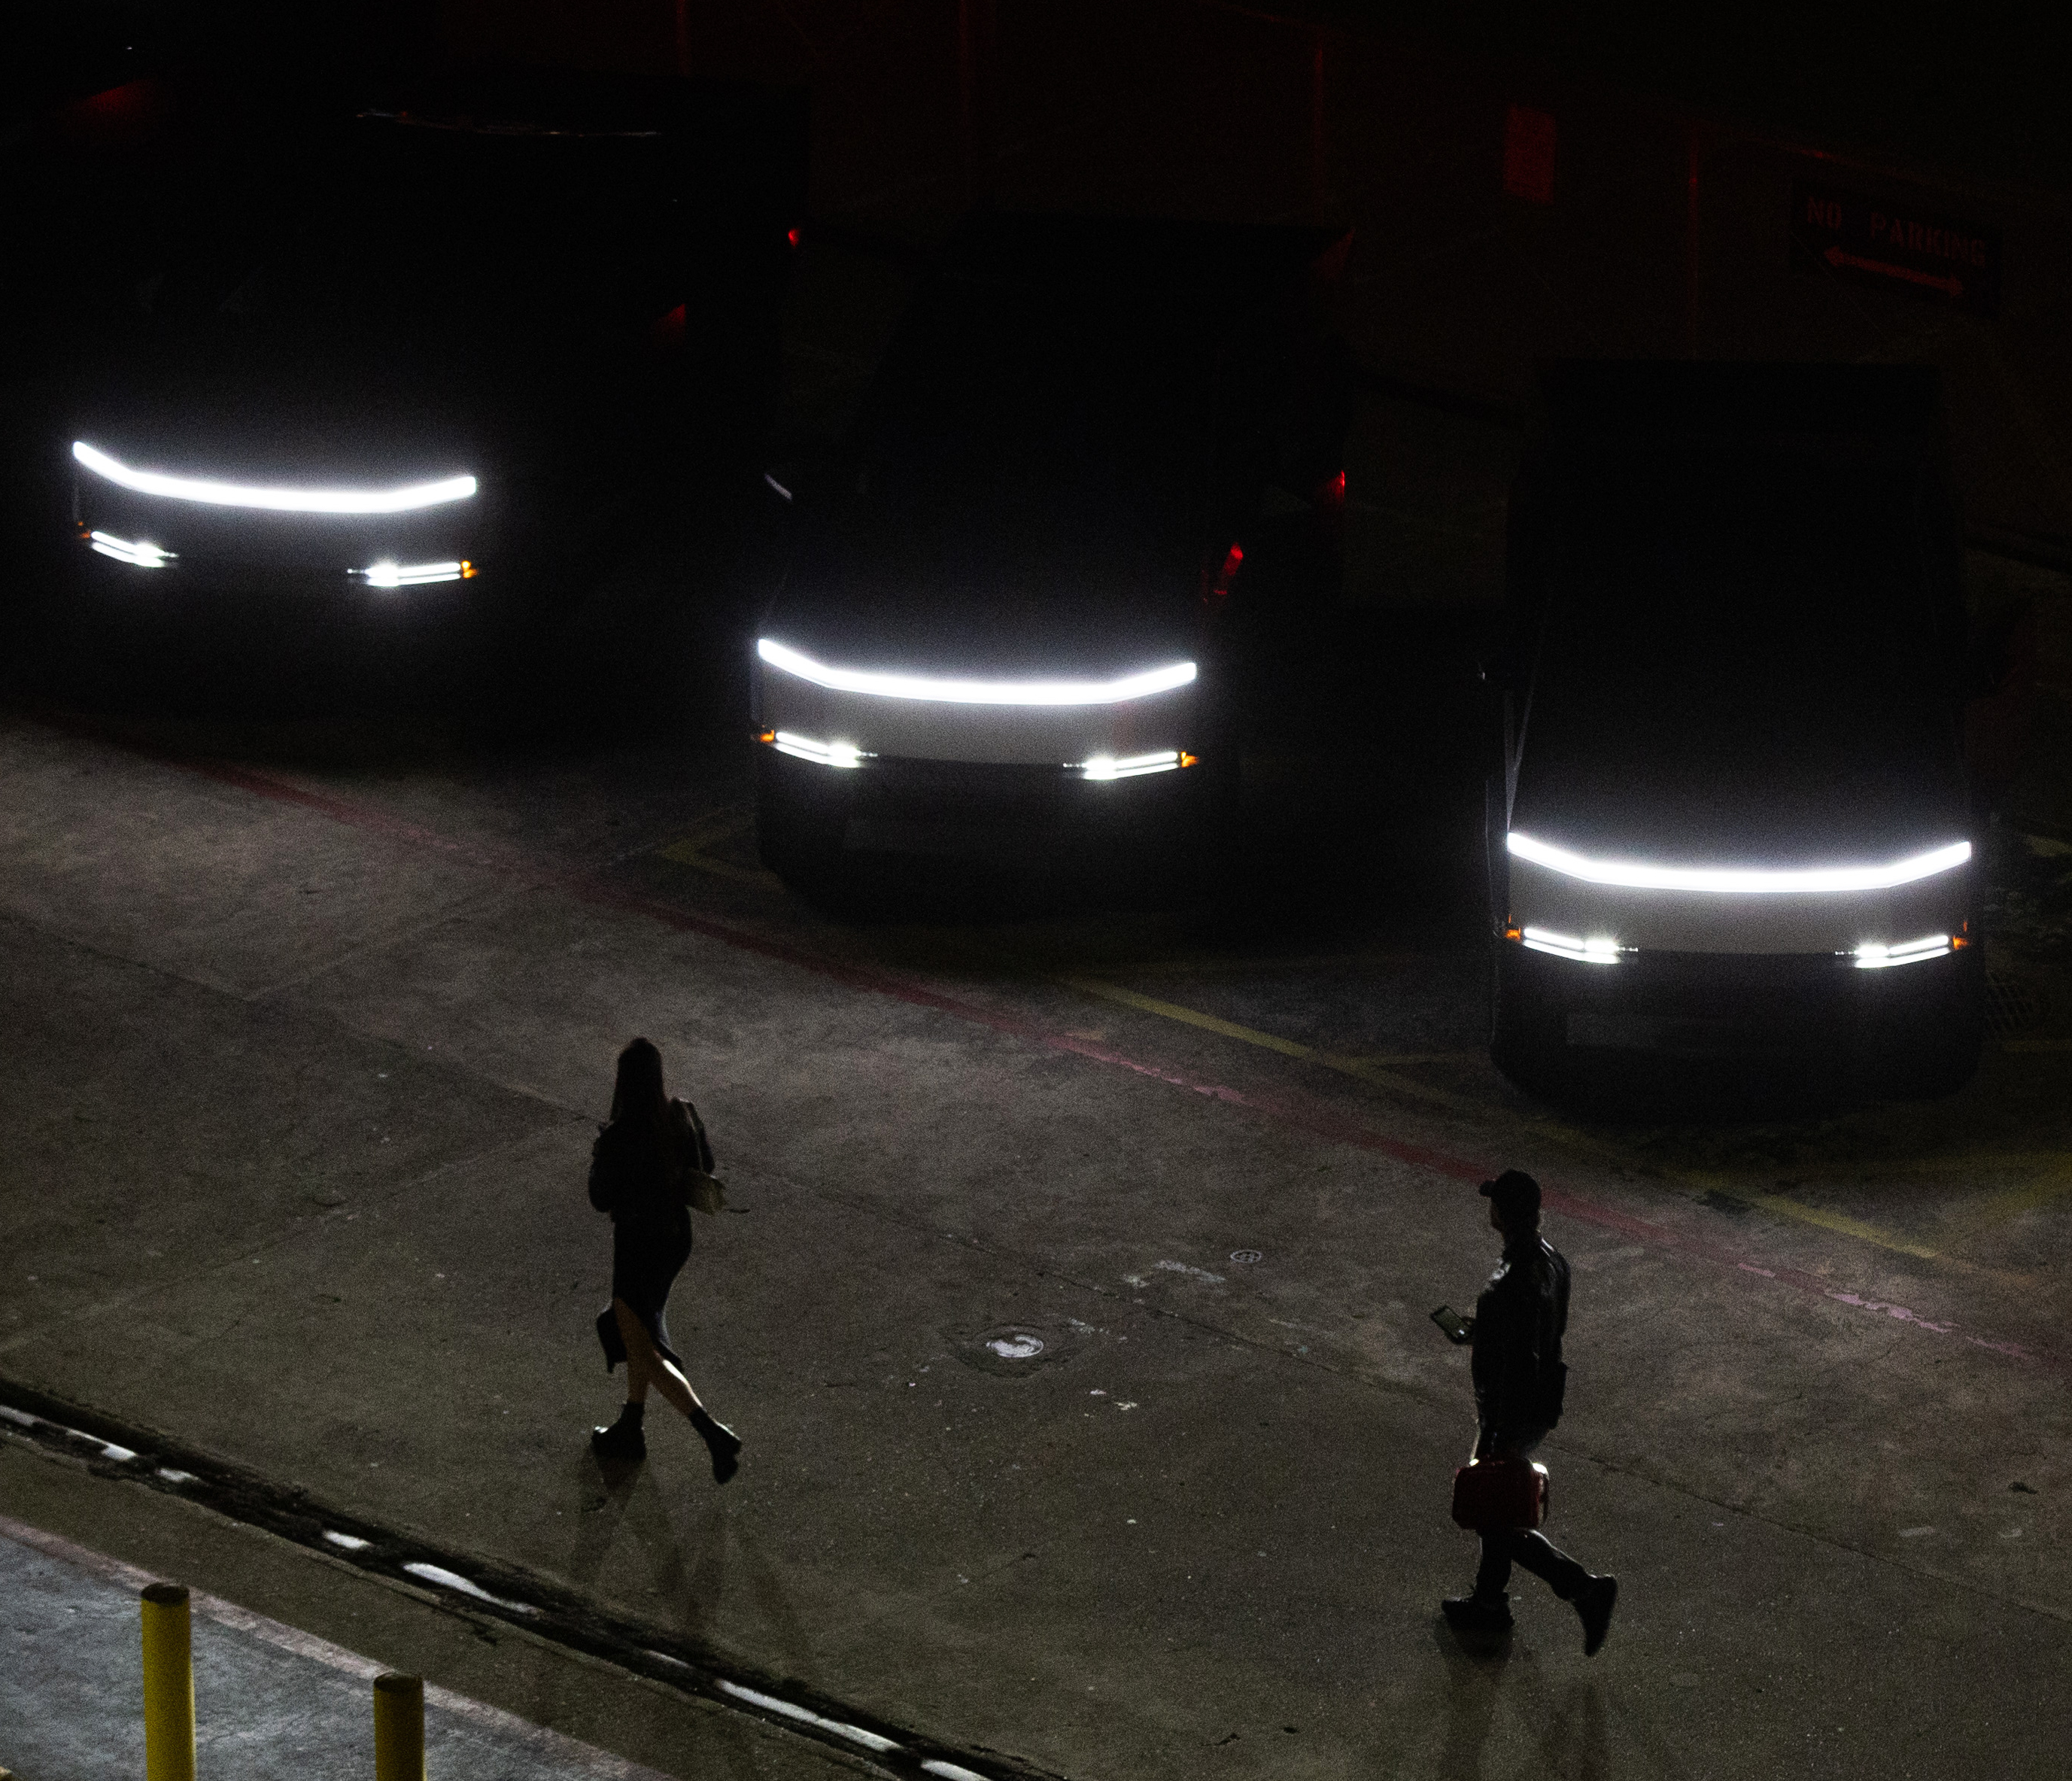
<point x="1519" y="1320"/>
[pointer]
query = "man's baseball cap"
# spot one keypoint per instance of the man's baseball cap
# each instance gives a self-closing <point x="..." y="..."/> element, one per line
<point x="1512" y="1191"/>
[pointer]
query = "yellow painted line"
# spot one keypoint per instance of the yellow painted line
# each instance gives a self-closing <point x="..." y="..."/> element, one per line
<point x="1982" y="1162"/>
<point x="1215" y="967"/>
<point x="1785" y="1207"/>
<point x="1992" y="1210"/>
<point x="691" y="851"/>
<point x="1371" y="1069"/>
<point x="1209" y="1023"/>
<point x="1383" y="1071"/>
<point x="1990" y="1159"/>
<point x="1377" y="1070"/>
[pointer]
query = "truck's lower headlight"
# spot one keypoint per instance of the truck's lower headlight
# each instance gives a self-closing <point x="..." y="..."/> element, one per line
<point x="1130" y="767"/>
<point x="137" y="554"/>
<point x="805" y="748"/>
<point x="1598" y="949"/>
<point x="392" y="574"/>
<point x="1872" y="955"/>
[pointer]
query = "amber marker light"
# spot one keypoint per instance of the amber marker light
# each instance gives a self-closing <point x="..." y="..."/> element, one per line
<point x="1190" y="760"/>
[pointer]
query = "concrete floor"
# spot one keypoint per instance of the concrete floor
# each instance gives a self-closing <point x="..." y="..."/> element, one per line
<point x="303" y="1067"/>
<point x="310" y="1012"/>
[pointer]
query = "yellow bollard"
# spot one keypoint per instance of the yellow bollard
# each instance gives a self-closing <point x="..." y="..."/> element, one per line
<point x="169" y="1724"/>
<point x="399" y="1728"/>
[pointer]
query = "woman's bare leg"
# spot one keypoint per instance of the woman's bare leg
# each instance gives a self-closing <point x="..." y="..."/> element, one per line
<point x="636" y="1358"/>
<point x="644" y="1366"/>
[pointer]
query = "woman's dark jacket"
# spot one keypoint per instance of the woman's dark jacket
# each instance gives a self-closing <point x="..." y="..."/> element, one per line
<point x="639" y="1173"/>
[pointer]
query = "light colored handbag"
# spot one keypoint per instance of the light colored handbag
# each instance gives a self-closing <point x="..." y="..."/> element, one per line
<point x="702" y="1192"/>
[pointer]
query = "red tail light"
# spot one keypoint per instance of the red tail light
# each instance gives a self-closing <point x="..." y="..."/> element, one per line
<point x="1219" y="588"/>
<point x="1330" y="495"/>
<point x="792" y="234"/>
<point x="666" y="332"/>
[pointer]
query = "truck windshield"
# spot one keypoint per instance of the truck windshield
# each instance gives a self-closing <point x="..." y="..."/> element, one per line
<point x="360" y="227"/>
<point x="1101" y="411"/>
<point x="1764" y="621"/>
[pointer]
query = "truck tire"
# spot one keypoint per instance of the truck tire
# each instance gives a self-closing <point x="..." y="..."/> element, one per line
<point x="801" y="847"/>
<point x="1941" y="1055"/>
<point x="1527" y="1038"/>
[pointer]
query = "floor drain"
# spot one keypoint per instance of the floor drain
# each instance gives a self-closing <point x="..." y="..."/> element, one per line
<point x="1016" y="1347"/>
<point x="1246" y="1256"/>
<point x="1016" y="1351"/>
<point x="2013" y="1004"/>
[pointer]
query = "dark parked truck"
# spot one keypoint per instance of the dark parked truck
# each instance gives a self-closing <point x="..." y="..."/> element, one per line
<point x="1007" y="621"/>
<point x="356" y="331"/>
<point x="1732" y="819"/>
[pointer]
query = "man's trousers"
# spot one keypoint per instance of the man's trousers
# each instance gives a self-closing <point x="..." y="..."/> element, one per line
<point x="1503" y="1547"/>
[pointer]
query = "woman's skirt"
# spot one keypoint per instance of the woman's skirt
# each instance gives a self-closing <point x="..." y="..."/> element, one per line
<point x="645" y="1261"/>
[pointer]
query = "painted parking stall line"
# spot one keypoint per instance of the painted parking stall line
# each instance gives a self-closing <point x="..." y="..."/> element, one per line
<point x="1384" y="1071"/>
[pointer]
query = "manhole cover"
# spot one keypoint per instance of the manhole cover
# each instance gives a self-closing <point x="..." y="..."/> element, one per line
<point x="2013" y="1004"/>
<point x="1246" y="1257"/>
<point x="1021" y="1346"/>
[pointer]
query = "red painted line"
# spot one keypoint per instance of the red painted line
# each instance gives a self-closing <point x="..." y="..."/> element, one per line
<point x="1289" y="1109"/>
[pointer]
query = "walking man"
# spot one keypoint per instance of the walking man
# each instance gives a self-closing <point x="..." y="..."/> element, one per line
<point x="1519" y="1373"/>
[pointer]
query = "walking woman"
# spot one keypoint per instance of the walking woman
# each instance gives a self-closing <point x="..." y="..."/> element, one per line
<point x="644" y="1168"/>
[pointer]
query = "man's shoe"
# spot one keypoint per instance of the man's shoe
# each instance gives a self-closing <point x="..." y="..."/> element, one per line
<point x="623" y="1440"/>
<point x="1471" y="1614"/>
<point x="722" y="1443"/>
<point x="1595" y="1602"/>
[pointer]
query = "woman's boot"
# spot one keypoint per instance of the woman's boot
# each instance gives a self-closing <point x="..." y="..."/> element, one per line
<point x="721" y="1441"/>
<point x="624" y="1439"/>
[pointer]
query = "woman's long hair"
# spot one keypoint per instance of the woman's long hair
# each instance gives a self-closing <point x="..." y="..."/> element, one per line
<point x="638" y="1097"/>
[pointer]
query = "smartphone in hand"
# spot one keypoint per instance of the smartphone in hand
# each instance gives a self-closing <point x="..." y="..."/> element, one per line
<point x="1458" y="1330"/>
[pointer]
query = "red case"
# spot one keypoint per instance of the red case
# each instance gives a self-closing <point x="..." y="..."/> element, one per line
<point x="1500" y="1493"/>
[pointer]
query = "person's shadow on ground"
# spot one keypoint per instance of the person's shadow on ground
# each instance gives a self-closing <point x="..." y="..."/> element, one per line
<point x="1479" y="1670"/>
<point x="618" y="1498"/>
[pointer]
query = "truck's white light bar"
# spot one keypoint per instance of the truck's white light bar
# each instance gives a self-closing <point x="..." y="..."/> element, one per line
<point x="137" y="556"/>
<point x="1130" y="766"/>
<point x="1638" y="875"/>
<point x="827" y="754"/>
<point x="402" y="500"/>
<point x="957" y="691"/>
<point x="1596" y="950"/>
<point x="1872" y="956"/>
<point x="388" y="574"/>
